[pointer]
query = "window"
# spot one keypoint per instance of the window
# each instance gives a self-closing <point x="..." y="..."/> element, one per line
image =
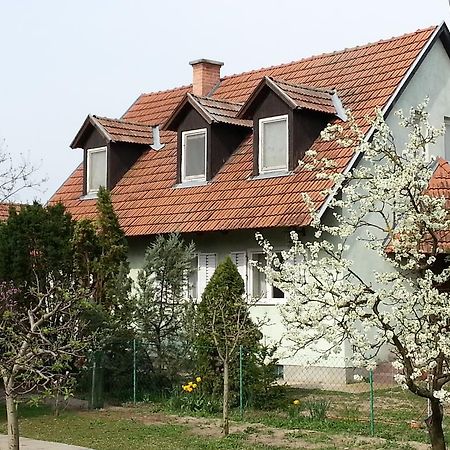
<point x="206" y="268"/>
<point x="260" y="288"/>
<point x="447" y="139"/>
<point x="240" y="261"/>
<point x="193" y="156"/>
<point x="96" y="169"/>
<point x="273" y="144"/>
<point x="193" y="279"/>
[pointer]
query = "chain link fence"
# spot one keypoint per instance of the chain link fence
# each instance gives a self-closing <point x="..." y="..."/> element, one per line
<point x="300" y="389"/>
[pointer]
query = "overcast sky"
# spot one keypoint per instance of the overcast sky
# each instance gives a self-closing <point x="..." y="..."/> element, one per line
<point x="61" y="60"/>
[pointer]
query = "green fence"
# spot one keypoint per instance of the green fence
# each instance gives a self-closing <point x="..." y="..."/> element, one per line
<point x="302" y="392"/>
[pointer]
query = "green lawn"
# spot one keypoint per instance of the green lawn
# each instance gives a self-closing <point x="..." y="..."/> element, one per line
<point x="148" y="426"/>
<point x="103" y="431"/>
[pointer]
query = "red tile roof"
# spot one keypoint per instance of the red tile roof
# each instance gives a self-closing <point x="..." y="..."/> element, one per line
<point x="297" y="96"/>
<point x="126" y="131"/>
<point x="4" y="210"/>
<point x="145" y="198"/>
<point x="212" y="110"/>
<point x="439" y="186"/>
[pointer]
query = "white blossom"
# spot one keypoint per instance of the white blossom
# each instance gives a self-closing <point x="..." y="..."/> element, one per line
<point x="385" y="210"/>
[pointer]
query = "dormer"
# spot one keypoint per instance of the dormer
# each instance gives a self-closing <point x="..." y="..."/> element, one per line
<point x="208" y="131"/>
<point x="111" y="147"/>
<point x="287" y="119"/>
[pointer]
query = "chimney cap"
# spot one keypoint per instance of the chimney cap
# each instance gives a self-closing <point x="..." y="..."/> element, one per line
<point x="205" y="61"/>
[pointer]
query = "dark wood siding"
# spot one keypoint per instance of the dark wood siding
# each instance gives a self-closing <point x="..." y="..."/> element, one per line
<point x="269" y="105"/>
<point x="121" y="156"/>
<point x="93" y="140"/>
<point x="192" y="120"/>
<point x="222" y="141"/>
<point x="225" y="139"/>
<point x="306" y="128"/>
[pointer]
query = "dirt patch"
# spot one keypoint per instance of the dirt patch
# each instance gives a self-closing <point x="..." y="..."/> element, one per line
<point x="255" y="433"/>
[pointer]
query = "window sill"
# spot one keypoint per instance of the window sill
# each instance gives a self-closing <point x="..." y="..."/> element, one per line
<point x="193" y="183"/>
<point x="274" y="174"/>
<point x="270" y="302"/>
<point x="90" y="196"/>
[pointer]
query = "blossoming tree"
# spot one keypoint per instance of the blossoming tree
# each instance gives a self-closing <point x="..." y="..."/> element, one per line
<point x="383" y="206"/>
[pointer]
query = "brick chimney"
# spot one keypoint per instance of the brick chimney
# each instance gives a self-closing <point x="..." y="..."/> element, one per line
<point x="206" y="75"/>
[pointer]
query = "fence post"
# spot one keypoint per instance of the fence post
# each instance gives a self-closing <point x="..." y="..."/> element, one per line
<point x="134" y="371"/>
<point x="241" y="383"/>
<point x="372" y="412"/>
<point x="93" y="381"/>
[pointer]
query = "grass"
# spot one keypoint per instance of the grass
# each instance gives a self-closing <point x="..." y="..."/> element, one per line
<point x="108" y="432"/>
<point x="346" y="425"/>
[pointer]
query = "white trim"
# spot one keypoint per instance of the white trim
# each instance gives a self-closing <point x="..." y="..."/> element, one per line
<point x="386" y="107"/>
<point x="88" y="170"/>
<point x="185" y="178"/>
<point x="263" y="300"/>
<point x="262" y="122"/>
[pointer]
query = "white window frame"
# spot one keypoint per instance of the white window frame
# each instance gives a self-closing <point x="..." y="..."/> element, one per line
<point x="203" y="275"/>
<point x="446" y="138"/>
<point x="250" y="268"/>
<point x="184" y="134"/>
<point x="89" y="190"/>
<point x="261" y="124"/>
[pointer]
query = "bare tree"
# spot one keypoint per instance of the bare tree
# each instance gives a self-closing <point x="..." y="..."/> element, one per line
<point x="39" y="340"/>
<point x="16" y="176"/>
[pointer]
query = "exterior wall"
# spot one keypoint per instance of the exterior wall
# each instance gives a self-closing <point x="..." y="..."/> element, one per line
<point x="431" y="79"/>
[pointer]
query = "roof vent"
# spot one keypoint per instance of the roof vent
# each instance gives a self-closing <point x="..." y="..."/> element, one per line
<point x="156" y="139"/>
<point x="206" y="76"/>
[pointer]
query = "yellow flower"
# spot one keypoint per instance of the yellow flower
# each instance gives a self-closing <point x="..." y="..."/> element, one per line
<point x="198" y="379"/>
<point x="184" y="387"/>
<point x="296" y="402"/>
<point x="194" y="385"/>
<point x="190" y="383"/>
<point x="189" y="389"/>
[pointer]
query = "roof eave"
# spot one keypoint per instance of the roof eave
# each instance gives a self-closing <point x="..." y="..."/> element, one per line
<point x="441" y="32"/>
<point x="89" y="121"/>
<point x="171" y="124"/>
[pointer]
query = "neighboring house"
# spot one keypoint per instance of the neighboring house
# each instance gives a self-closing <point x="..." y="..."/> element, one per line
<point x="4" y="210"/>
<point x="218" y="160"/>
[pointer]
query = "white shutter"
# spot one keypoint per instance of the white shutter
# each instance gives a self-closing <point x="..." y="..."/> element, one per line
<point x="206" y="268"/>
<point x="240" y="261"/>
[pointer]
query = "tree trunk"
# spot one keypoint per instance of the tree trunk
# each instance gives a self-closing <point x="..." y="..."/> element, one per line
<point x="434" y="425"/>
<point x="226" y="391"/>
<point x="12" y="418"/>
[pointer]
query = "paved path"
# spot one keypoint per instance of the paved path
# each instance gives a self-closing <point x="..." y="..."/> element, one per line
<point x="32" y="444"/>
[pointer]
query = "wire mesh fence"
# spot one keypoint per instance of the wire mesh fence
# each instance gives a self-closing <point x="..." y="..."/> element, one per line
<point x="294" y="389"/>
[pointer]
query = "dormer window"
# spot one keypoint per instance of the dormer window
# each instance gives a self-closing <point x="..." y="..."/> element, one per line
<point x="193" y="157"/>
<point x="96" y="169"/>
<point x="273" y="144"/>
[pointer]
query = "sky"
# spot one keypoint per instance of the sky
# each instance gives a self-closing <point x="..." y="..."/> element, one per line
<point x="61" y="60"/>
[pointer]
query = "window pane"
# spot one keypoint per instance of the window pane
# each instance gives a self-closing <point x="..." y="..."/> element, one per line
<point x="447" y="139"/>
<point x="258" y="278"/>
<point x="97" y="170"/>
<point x="194" y="154"/>
<point x="274" y="143"/>
<point x="277" y="292"/>
<point x="193" y="279"/>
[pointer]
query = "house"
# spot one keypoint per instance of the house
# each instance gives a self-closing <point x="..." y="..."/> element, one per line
<point x="217" y="160"/>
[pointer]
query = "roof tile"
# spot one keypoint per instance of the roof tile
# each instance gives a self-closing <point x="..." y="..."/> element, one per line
<point x="146" y="200"/>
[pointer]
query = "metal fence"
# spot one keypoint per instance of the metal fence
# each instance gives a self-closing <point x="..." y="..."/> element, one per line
<point x="328" y="390"/>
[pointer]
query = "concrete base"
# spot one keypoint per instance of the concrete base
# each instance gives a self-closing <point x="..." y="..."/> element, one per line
<point x="32" y="444"/>
<point x="336" y="378"/>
